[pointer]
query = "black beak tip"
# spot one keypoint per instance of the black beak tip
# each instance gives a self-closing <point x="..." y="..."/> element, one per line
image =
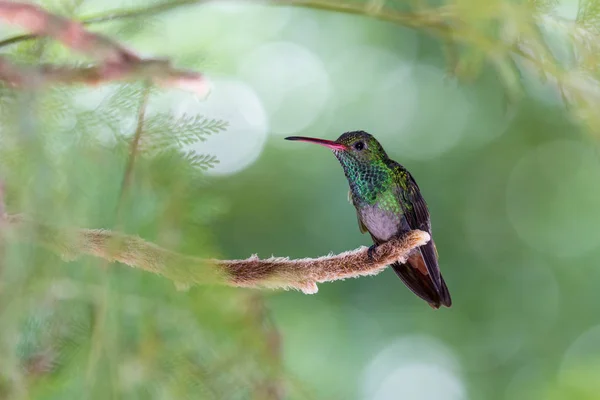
<point x="292" y="138"/>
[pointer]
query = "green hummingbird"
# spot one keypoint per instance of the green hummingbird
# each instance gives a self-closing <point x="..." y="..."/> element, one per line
<point x="388" y="204"/>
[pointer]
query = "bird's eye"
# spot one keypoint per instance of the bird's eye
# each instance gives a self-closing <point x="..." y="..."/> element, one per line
<point x="359" y="146"/>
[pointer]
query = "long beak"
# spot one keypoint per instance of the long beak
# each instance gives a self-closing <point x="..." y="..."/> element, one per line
<point x="327" y="143"/>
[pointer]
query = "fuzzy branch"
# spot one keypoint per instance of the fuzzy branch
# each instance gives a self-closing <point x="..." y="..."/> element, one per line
<point x="115" y="61"/>
<point x="185" y="271"/>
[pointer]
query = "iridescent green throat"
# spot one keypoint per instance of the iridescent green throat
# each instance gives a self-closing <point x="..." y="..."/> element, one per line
<point x="368" y="179"/>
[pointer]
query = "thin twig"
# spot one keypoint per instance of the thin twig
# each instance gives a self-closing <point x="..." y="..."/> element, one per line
<point x="140" y="12"/>
<point x="439" y="21"/>
<point x="72" y="34"/>
<point x="112" y="16"/>
<point x="133" y="149"/>
<point x="185" y="271"/>
<point x="159" y="71"/>
<point x="115" y="61"/>
<point x="431" y="19"/>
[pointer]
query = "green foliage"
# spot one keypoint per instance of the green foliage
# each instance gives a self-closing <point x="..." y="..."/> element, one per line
<point x="66" y="8"/>
<point x="88" y="329"/>
<point x="82" y="330"/>
<point x="507" y="36"/>
<point x="200" y="161"/>
<point x="588" y="15"/>
<point x="164" y="131"/>
<point x="543" y="6"/>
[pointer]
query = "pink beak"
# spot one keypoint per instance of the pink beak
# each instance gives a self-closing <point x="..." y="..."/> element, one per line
<point x="327" y="143"/>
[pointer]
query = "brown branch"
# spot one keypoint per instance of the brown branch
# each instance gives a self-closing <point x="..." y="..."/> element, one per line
<point x="116" y="62"/>
<point x="159" y="71"/>
<point x="185" y="271"/>
<point x="114" y="16"/>
<point x="133" y="148"/>
<point x="72" y="34"/>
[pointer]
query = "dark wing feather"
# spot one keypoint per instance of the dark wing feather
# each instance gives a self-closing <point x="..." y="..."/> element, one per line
<point x="417" y="217"/>
<point x="422" y="286"/>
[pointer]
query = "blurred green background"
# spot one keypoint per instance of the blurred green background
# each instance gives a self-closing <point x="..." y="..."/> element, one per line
<point x="513" y="193"/>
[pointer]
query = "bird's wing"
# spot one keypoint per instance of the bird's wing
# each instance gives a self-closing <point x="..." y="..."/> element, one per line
<point x="417" y="217"/>
<point x="361" y="225"/>
<point x="422" y="285"/>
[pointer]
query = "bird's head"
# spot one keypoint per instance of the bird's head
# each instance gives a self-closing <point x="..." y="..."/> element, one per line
<point x="357" y="147"/>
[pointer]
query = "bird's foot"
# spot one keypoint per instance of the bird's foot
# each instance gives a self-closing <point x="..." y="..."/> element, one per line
<point x="371" y="252"/>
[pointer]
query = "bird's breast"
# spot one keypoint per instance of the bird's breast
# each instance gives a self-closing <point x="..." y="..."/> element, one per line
<point x="381" y="223"/>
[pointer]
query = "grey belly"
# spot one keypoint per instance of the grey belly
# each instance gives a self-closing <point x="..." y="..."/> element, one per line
<point x="382" y="224"/>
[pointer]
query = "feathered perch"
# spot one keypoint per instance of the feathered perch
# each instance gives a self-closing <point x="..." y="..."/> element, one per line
<point x="185" y="271"/>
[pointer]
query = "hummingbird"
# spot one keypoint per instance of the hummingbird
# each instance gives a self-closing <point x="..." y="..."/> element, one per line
<point x="388" y="204"/>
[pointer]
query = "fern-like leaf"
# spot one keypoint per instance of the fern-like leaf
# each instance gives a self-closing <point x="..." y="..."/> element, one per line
<point x="167" y="131"/>
<point x="200" y="161"/>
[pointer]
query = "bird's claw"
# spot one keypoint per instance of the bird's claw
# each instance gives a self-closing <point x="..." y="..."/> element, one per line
<point x="371" y="252"/>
